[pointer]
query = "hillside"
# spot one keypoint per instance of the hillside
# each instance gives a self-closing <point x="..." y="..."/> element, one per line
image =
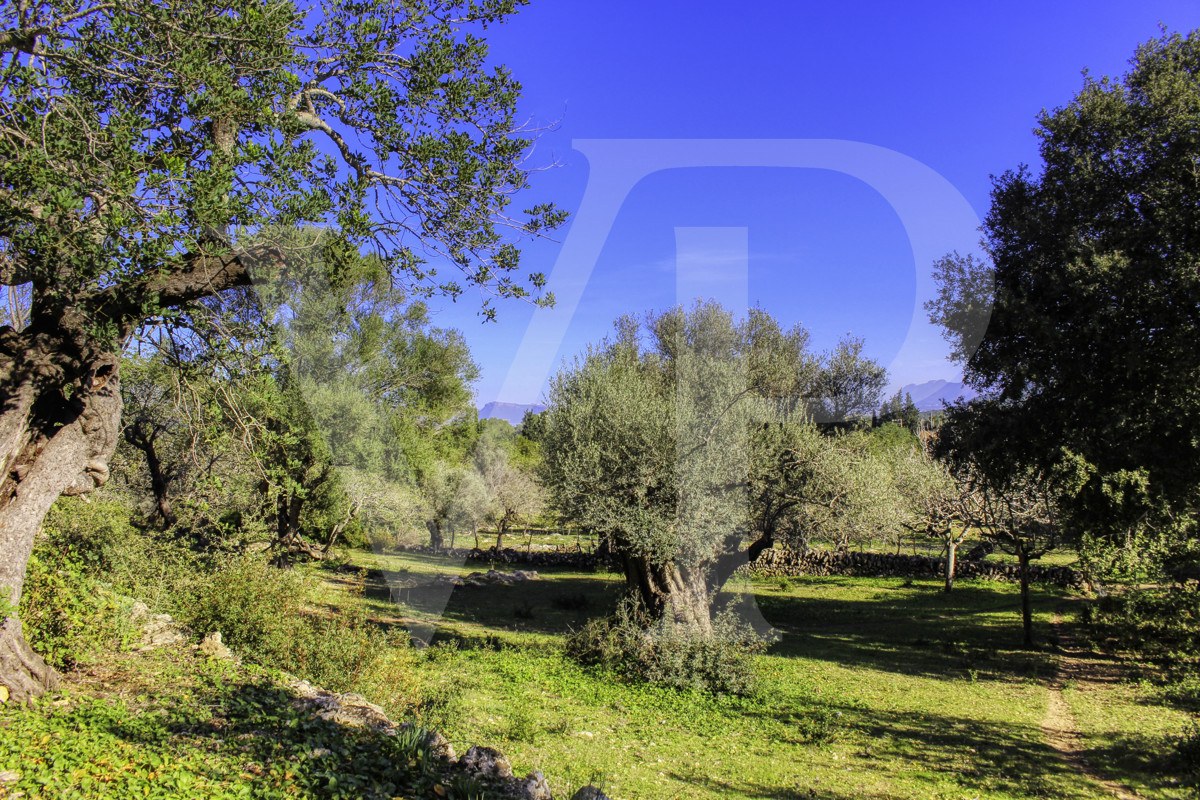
<point x="928" y="396"/>
<point x="509" y="412"/>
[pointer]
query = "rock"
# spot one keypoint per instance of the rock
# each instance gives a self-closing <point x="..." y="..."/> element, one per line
<point x="486" y="761"/>
<point x="157" y="629"/>
<point x="590" y="793"/>
<point x="440" y="746"/>
<point x="9" y="776"/>
<point x="212" y="647"/>
<point x="345" y="709"/>
<point x="535" y="787"/>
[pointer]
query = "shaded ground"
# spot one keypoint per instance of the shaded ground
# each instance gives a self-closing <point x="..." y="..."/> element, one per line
<point x="875" y="688"/>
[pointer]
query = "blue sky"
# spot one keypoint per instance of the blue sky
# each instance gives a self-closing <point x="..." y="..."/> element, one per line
<point x="919" y="104"/>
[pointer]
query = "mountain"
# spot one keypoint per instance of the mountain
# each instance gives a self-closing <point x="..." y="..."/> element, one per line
<point x="511" y="413"/>
<point x="928" y="396"/>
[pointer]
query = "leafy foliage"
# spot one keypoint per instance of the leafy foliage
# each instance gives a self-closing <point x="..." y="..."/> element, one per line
<point x="630" y="644"/>
<point x="1092" y="264"/>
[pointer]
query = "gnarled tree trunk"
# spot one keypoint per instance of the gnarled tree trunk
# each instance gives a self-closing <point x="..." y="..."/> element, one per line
<point x="60" y="416"/>
<point x="436" y="540"/>
<point x="144" y="437"/>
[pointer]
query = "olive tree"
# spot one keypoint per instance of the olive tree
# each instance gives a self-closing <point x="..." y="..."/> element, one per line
<point x="683" y="441"/>
<point x="513" y="494"/>
<point x="148" y="149"/>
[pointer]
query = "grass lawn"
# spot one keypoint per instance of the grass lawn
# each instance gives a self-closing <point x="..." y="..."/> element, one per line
<point x="879" y="688"/>
<point x="873" y="688"/>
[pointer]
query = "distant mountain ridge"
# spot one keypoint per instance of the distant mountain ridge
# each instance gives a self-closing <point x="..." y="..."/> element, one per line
<point x="928" y="396"/>
<point x="511" y="413"/>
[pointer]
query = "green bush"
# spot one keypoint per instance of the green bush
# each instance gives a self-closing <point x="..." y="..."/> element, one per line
<point x="66" y="616"/>
<point x="667" y="653"/>
<point x="1187" y="753"/>
<point x="1156" y="621"/>
<point x="90" y="560"/>
<point x="69" y="611"/>
<point x="267" y="614"/>
<point x="94" y="534"/>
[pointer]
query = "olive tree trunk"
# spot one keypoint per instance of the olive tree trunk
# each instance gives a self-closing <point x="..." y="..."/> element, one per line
<point x="60" y="417"/>
<point x="669" y="589"/>
<point x="436" y="540"/>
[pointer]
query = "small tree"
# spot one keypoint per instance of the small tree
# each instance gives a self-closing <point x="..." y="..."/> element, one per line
<point x="938" y="507"/>
<point x="514" y="496"/>
<point x="470" y="507"/>
<point x="847" y="383"/>
<point x="1014" y="502"/>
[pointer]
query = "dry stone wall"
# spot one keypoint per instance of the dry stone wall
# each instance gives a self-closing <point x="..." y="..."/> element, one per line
<point x="790" y="563"/>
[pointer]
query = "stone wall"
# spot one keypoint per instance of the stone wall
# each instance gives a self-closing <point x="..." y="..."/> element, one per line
<point x="786" y="563"/>
<point x="567" y="559"/>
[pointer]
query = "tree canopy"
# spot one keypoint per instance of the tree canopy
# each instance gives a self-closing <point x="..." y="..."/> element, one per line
<point x="1093" y="262"/>
<point x="687" y="442"/>
<point x="156" y="153"/>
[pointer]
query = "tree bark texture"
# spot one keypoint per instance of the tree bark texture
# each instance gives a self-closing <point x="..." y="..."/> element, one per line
<point x="951" y="558"/>
<point x="60" y="418"/>
<point x="436" y="540"/>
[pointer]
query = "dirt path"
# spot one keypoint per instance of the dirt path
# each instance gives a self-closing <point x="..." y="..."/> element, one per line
<point x="1059" y="726"/>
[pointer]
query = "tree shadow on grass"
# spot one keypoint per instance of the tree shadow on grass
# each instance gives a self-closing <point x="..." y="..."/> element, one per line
<point x="753" y="789"/>
<point x="229" y="737"/>
<point x="558" y="602"/>
<point x="973" y="632"/>
<point x="945" y="752"/>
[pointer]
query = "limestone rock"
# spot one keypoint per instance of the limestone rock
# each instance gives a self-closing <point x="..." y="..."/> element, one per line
<point x="534" y="787"/>
<point x="590" y="793"/>
<point x="157" y="629"/>
<point x="346" y="709"/>
<point x="486" y="761"/>
<point x="213" y="647"/>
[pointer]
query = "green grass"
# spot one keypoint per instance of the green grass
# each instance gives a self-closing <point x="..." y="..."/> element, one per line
<point x="170" y="724"/>
<point x="877" y="688"/>
<point x="874" y="688"/>
<point x="1125" y="728"/>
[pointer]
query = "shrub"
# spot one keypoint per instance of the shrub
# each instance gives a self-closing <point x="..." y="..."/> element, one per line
<point x="667" y="653"/>
<point x="67" y="617"/>
<point x="266" y="614"/>
<point x="819" y="726"/>
<point x="1187" y="753"/>
<point x="89" y="558"/>
<point x="1156" y="621"/>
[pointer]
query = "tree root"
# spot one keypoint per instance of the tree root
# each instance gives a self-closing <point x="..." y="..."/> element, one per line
<point x="23" y="672"/>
